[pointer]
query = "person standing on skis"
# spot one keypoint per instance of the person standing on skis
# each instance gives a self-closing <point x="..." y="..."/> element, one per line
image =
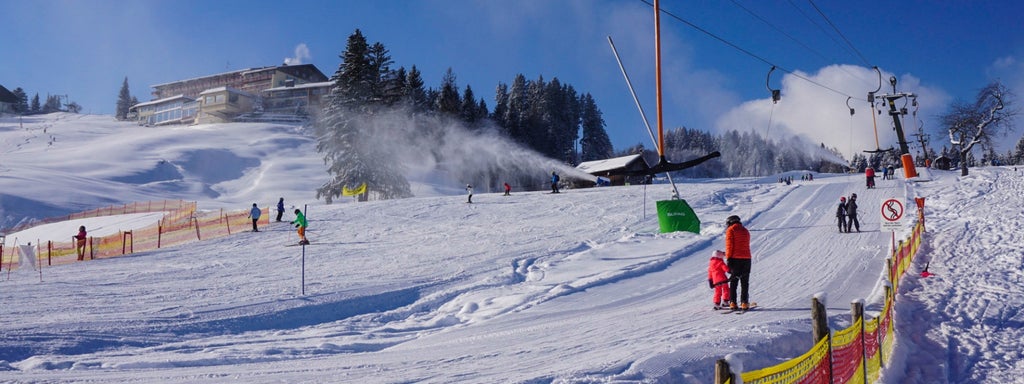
<point x="851" y="214"/>
<point x="718" y="280"/>
<point x="469" y="193"/>
<point x="80" y="242"/>
<point x="869" y="173"/>
<point x="841" y="213"/>
<point x="254" y="214"/>
<point x="301" y="223"/>
<point x="554" y="182"/>
<point x="737" y="257"/>
<point x="280" y="209"/>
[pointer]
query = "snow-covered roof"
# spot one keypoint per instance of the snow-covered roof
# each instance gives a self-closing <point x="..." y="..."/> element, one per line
<point x="323" y="84"/>
<point x="225" y="88"/>
<point x="240" y="71"/>
<point x="163" y="100"/>
<point x="607" y="164"/>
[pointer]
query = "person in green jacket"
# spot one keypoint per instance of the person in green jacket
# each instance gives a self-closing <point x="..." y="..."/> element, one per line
<point x="301" y="224"/>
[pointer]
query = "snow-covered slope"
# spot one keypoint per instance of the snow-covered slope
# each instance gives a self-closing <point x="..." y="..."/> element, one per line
<point x="577" y="287"/>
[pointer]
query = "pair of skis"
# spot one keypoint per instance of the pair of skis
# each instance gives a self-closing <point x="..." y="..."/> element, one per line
<point x="728" y="310"/>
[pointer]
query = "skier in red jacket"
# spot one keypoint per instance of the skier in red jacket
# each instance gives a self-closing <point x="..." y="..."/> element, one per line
<point x="718" y="280"/>
<point x="737" y="256"/>
<point x="869" y="173"/>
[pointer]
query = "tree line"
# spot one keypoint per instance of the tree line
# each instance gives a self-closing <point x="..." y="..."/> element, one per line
<point x="52" y="104"/>
<point x="545" y="116"/>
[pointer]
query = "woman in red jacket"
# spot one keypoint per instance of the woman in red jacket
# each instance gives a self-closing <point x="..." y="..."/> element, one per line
<point x="737" y="256"/>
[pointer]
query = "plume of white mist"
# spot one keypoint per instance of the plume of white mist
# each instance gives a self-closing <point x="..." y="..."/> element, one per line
<point x="301" y="53"/>
<point x="442" y="152"/>
<point x="821" y="116"/>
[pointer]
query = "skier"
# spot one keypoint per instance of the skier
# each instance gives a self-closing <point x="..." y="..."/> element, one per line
<point x="469" y="191"/>
<point x="80" y="242"/>
<point x="508" y="188"/>
<point x="254" y="214"/>
<point x="717" y="279"/>
<point x="841" y="213"/>
<point x="851" y="214"/>
<point x="554" y="182"/>
<point x="280" y="209"/>
<point x="869" y="173"/>
<point x="301" y="223"/>
<point x="737" y="256"/>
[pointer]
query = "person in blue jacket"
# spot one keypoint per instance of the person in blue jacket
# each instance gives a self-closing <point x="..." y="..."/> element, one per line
<point x="554" y="182"/>
<point x="254" y="214"/>
<point x="280" y="209"/>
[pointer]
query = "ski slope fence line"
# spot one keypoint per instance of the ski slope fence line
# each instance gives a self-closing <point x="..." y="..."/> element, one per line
<point x="855" y="354"/>
<point x="180" y="225"/>
<point x="124" y="209"/>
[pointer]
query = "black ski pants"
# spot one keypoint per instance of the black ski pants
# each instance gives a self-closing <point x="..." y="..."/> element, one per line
<point x="739" y="270"/>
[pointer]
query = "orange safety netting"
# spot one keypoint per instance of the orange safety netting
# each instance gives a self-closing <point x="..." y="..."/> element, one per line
<point x="181" y="224"/>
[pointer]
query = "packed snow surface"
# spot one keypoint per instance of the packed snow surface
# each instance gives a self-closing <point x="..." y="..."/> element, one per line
<point x="576" y="287"/>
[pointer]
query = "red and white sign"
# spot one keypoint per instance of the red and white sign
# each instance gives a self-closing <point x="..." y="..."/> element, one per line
<point x="892" y="211"/>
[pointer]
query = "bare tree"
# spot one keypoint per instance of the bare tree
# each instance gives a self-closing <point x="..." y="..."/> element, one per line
<point x="989" y="117"/>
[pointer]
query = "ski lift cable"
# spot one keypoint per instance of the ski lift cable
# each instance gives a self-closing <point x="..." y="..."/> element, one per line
<point x="840" y="33"/>
<point x="813" y="22"/>
<point x="748" y="53"/>
<point x="794" y="39"/>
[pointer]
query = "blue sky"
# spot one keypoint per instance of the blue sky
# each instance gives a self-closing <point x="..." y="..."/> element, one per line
<point x="939" y="50"/>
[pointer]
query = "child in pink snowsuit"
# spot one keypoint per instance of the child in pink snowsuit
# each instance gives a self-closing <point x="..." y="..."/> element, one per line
<point x="718" y="280"/>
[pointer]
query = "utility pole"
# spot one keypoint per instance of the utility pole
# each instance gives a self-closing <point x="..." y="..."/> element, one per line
<point x="897" y="114"/>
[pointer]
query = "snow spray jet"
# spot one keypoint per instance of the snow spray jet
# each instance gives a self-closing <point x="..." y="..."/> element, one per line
<point x="442" y="151"/>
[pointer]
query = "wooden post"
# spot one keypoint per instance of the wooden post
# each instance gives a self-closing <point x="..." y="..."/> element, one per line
<point x="857" y="313"/>
<point x="92" y="251"/>
<point x="196" y="222"/>
<point x="159" y="233"/>
<point x="49" y="252"/>
<point x="722" y="373"/>
<point x="819" y="320"/>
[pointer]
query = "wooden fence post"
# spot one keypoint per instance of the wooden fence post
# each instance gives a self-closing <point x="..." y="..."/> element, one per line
<point x="722" y="373"/>
<point x="819" y="322"/>
<point x="857" y="313"/>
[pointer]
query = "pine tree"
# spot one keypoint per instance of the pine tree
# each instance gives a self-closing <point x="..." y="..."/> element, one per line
<point x="448" y="100"/>
<point x="36" y="107"/>
<point x="414" y="91"/>
<point x="124" y="101"/>
<point x="21" y="107"/>
<point x="468" y="108"/>
<point x="595" y="144"/>
<point x="348" y="136"/>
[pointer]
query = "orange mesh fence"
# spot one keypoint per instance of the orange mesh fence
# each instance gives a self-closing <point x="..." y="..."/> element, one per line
<point x="810" y="368"/>
<point x="872" y="353"/>
<point x="181" y="225"/>
<point x="855" y="354"/>
<point x="848" y="355"/>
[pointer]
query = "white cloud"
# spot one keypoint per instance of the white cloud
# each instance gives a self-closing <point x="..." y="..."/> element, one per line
<point x="301" y="53"/>
<point x="821" y="115"/>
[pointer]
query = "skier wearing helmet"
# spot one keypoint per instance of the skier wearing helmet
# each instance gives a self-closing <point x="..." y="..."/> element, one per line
<point x="737" y="256"/>
<point x="841" y="214"/>
<point x="851" y="214"/>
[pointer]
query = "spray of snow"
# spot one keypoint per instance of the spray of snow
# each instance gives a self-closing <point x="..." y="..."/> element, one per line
<point x="440" y="151"/>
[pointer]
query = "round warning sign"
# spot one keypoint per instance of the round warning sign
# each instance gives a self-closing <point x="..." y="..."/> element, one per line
<point x="892" y="210"/>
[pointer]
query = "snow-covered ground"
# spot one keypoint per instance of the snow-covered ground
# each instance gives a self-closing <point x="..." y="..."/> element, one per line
<point x="577" y="287"/>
